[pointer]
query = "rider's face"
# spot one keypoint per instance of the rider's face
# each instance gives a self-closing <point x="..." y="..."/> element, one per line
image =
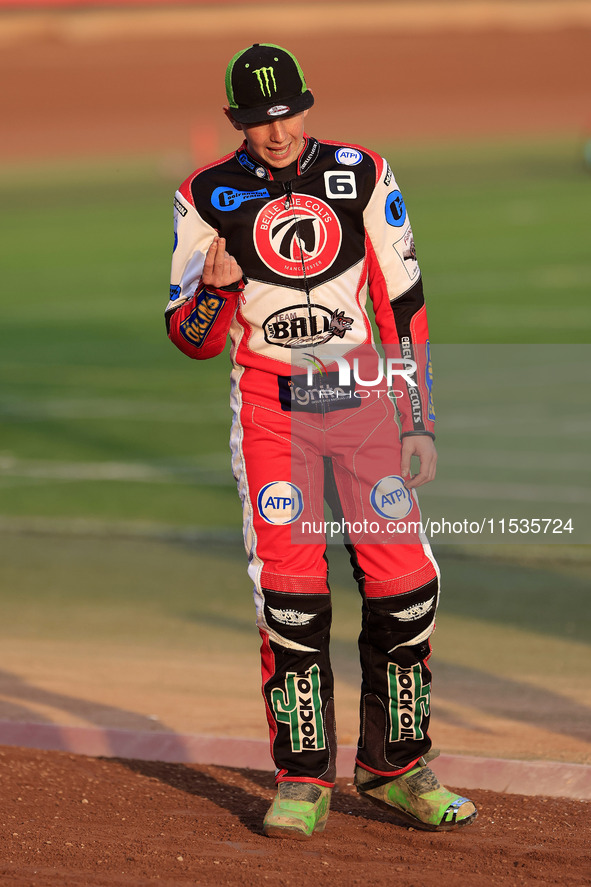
<point x="275" y="142"/>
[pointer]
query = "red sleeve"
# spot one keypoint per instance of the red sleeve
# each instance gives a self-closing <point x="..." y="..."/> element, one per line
<point x="404" y="332"/>
<point x="199" y="327"/>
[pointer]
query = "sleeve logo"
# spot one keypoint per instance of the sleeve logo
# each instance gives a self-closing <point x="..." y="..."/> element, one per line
<point x="405" y="247"/>
<point x="179" y="207"/>
<point x="429" y="381"/>
<point x="196" y="327"/>
<point x="395" y="209"/>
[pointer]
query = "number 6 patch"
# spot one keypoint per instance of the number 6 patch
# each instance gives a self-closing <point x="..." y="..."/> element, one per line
<point x="340" y="184"/>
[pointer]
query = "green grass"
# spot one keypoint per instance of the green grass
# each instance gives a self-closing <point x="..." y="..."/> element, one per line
<point x="42" y="582"/>
<point x="89" y="383"/>
<point x="500" y="232"/>
<point x="190" y="593"/>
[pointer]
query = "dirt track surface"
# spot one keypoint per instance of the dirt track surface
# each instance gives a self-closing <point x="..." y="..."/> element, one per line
<point x="107" y="95"/>
<point x="82" y="822"/>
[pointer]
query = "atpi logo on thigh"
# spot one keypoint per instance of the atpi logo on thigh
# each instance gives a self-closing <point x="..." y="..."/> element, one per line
<point x="390" y="499"/>
<point x="280" y="502"/>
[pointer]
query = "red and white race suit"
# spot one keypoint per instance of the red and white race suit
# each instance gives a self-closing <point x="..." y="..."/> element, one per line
<point x="313" y="240"/>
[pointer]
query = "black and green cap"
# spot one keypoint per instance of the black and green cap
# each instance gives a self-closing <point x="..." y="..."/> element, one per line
<point x="265" y="82"/>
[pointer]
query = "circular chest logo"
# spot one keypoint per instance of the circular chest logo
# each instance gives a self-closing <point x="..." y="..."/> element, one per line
<point x="390" y="499"/>
<point x="349" y="156"/>
<point x="280" y="502"/>
<point x="305" y="235"/>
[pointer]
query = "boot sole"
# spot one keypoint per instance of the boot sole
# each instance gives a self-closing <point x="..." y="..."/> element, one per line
<point x="291" y="831"/>
<point x="409" y="819"/>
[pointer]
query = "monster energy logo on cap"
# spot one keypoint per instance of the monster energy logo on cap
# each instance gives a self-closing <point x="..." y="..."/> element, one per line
<point x="266" y="77"/>
<point x="264" y="82"/>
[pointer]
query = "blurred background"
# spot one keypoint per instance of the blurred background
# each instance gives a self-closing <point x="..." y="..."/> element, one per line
<point x="124" y="596"/>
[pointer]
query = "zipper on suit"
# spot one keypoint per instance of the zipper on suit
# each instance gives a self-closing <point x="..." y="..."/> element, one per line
<point x="287" y="204"/>
<point x="288" y="194"/>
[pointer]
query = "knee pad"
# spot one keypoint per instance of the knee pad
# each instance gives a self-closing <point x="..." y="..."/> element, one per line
<point x="295" y="621"/>
<point x="400" y="626"/>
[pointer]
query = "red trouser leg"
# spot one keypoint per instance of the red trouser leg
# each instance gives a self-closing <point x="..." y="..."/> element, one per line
<point x="279" y="461"/>
<point x="291" y="591"/>
<point x="399" y="582"/>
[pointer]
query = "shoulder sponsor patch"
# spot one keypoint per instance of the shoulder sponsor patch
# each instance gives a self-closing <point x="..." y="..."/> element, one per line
<point x="180" y="208"/>
<point x="395" y="209"/>
<point x="175" y="292"/>
<point x="349" y="156"/>
<point x="196" y="327"/>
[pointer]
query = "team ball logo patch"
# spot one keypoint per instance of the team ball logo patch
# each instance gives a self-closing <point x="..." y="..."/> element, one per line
<point x="307" y="231"/>
<point x="390" y="499"/>
<point x="280" y="502"/>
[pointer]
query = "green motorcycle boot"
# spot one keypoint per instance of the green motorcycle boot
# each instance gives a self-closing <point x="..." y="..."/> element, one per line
<point x="298" y="810"/>
<point x="417" y="798"/>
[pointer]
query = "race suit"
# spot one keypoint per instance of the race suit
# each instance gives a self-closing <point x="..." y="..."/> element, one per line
<point x="312" y="240"/>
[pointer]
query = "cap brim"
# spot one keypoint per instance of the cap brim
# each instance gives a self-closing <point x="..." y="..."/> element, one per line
<point x="274" y="110"/>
